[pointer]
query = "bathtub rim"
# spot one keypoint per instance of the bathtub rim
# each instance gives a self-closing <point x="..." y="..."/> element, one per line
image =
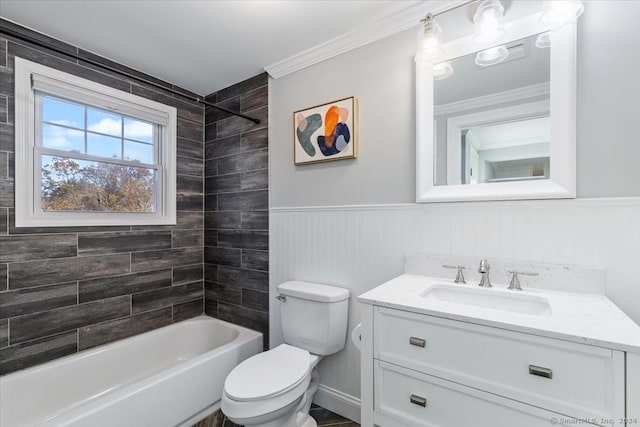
<point x="121" y="342"/>
<point x="94" y="403"/>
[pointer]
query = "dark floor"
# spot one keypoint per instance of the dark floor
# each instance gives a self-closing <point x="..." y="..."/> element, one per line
<point x="322" y="416"/>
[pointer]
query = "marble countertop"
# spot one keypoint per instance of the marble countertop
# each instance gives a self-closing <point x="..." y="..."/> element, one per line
<point x="581" y="318"/>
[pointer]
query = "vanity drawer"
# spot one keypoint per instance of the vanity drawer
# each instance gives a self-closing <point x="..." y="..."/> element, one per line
<point x="578" y="380"/>
<point x="401" y="393"/>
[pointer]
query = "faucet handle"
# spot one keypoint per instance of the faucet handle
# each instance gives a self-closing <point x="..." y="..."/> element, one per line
<point x="459" y="276"/>
<point x="514" y="285"/>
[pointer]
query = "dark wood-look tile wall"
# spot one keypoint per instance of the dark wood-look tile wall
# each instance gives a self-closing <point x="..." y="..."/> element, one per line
<point x="66" y="289"/>
<point x="236" y="207"/>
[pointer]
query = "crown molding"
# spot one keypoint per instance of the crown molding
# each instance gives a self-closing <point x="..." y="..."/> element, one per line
<point x="393" y="22"/>
<point x="525" y="92"/>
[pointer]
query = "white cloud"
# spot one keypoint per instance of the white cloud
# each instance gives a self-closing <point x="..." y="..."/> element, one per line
<point x="135" y="129"/>
<point x="107" y="126"/>
<point x="132" y="129"/>
<point x="61" y="138"/>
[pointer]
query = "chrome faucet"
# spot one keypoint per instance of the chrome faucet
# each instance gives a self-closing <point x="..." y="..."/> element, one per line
<point x="459" y="275"/>
<point x="484" y="271"/>
<point x="514" y="285"/>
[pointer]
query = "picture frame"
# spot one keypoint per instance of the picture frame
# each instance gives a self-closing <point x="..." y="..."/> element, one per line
<point x="326" y="132"/>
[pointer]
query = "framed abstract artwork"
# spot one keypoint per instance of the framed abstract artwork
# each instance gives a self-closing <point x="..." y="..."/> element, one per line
<point x="325" y="132"/>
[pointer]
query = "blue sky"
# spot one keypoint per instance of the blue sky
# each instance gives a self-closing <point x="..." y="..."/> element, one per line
<point x="106" y="134"/>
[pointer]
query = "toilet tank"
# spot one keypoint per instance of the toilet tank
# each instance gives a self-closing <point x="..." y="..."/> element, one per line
<point x="314" y="317"/>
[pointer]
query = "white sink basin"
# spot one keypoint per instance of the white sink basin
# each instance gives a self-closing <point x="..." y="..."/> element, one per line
<point x="488" y="298"/>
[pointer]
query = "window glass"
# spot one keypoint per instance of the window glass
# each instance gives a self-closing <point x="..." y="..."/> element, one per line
<point x="104" y="146"/>
<point x="61" y="112"/>
<point x="62" y="138"/>
<point x="138" y="130"/>
<point x="70" y="184"/>
<point x="100" y="121"/>
<point x="137" y="151"/>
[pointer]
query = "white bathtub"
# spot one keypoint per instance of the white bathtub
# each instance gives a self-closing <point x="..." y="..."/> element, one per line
<point x="172" y="376"/>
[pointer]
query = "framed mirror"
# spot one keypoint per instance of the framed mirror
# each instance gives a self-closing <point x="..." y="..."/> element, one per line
<point x="497" y="121"/>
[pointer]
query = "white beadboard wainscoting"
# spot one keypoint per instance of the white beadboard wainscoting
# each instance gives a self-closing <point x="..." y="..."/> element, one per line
<point x="360" y="247"/>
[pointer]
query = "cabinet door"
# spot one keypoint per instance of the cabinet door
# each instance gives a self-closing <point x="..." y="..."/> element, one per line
<point x="407" y="398"/>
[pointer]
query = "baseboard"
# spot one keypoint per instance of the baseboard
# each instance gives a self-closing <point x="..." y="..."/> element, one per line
<point x="338" y="402"/>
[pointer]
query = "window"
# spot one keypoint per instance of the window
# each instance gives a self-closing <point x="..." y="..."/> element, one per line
<point x="88" y="154"/>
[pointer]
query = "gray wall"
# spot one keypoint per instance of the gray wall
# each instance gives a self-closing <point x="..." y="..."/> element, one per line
<point x="69" y="289"/>
<point x="608" y="100"/>
<point x="381" y="75"/>
<point x="236" y="207"/>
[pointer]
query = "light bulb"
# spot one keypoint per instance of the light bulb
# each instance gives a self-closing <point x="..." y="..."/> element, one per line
<point x="487" y="22"/>
<point x="429" y="40"/>
<point x="556" y="13"/>
<point x="491" y="56"/>
<point x="442" y="70"/>
<point x="544" y="40"/>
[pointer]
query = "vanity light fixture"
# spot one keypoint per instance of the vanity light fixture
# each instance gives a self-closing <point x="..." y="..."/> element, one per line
<point x="442" y="70"/>
<point x="429" y="40"/>
<point x="557" y="13"/>
<point x="488" y="27"/>
<point x="492" y="56"/>
<point x="487" y="21"/>
<point x="543" y="40"/>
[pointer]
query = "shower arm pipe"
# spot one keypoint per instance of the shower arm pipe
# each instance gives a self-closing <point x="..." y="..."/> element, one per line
<point x="197" y="99"/>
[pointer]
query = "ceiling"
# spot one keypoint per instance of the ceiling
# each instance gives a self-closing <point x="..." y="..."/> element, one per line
<point x="203" y="45"/>
<point x="470" y="80"/>
<point x="513" y="134"/>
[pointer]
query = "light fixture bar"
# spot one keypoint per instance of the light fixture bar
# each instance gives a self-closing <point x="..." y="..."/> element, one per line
<point x="458" y="6"/>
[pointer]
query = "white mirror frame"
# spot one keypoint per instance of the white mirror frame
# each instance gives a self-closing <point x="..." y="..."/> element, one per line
<point x="562" y="181"/>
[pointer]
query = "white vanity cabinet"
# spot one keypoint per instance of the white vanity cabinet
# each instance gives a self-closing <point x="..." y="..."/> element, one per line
<point x="435" y="353"/>
<point x="430" y="371"/>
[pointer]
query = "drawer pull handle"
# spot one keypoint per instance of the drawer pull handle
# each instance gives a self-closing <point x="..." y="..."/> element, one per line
<point x="417" y="400"/>
<point x="540" y="371"/>
<point x="418" y="342"/>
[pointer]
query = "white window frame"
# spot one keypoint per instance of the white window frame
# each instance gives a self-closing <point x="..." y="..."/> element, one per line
<point x="28" y="213"/>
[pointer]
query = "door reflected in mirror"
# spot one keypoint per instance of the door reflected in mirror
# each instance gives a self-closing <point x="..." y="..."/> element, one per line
<point x="509" y="151"/>
<point x="492" y="122"/>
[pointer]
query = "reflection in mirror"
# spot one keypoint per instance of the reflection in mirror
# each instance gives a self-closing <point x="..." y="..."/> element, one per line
<point x="492" y="122"/>
<point x="509" y="151"/>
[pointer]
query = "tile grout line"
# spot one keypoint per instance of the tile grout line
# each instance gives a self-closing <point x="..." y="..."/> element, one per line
<point x="233" y="154"/>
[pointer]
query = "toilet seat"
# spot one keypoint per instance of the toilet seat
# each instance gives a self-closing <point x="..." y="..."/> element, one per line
<point x="268" y="374"/>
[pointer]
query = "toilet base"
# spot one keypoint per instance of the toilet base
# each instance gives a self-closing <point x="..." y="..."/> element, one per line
<point x="308" y="422"/>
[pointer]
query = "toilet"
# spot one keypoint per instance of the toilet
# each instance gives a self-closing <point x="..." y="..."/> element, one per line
<point x="275" y="388"/>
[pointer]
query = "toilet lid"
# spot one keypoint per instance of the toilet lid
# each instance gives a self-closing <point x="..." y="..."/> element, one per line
<point x="268" y="374"/>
